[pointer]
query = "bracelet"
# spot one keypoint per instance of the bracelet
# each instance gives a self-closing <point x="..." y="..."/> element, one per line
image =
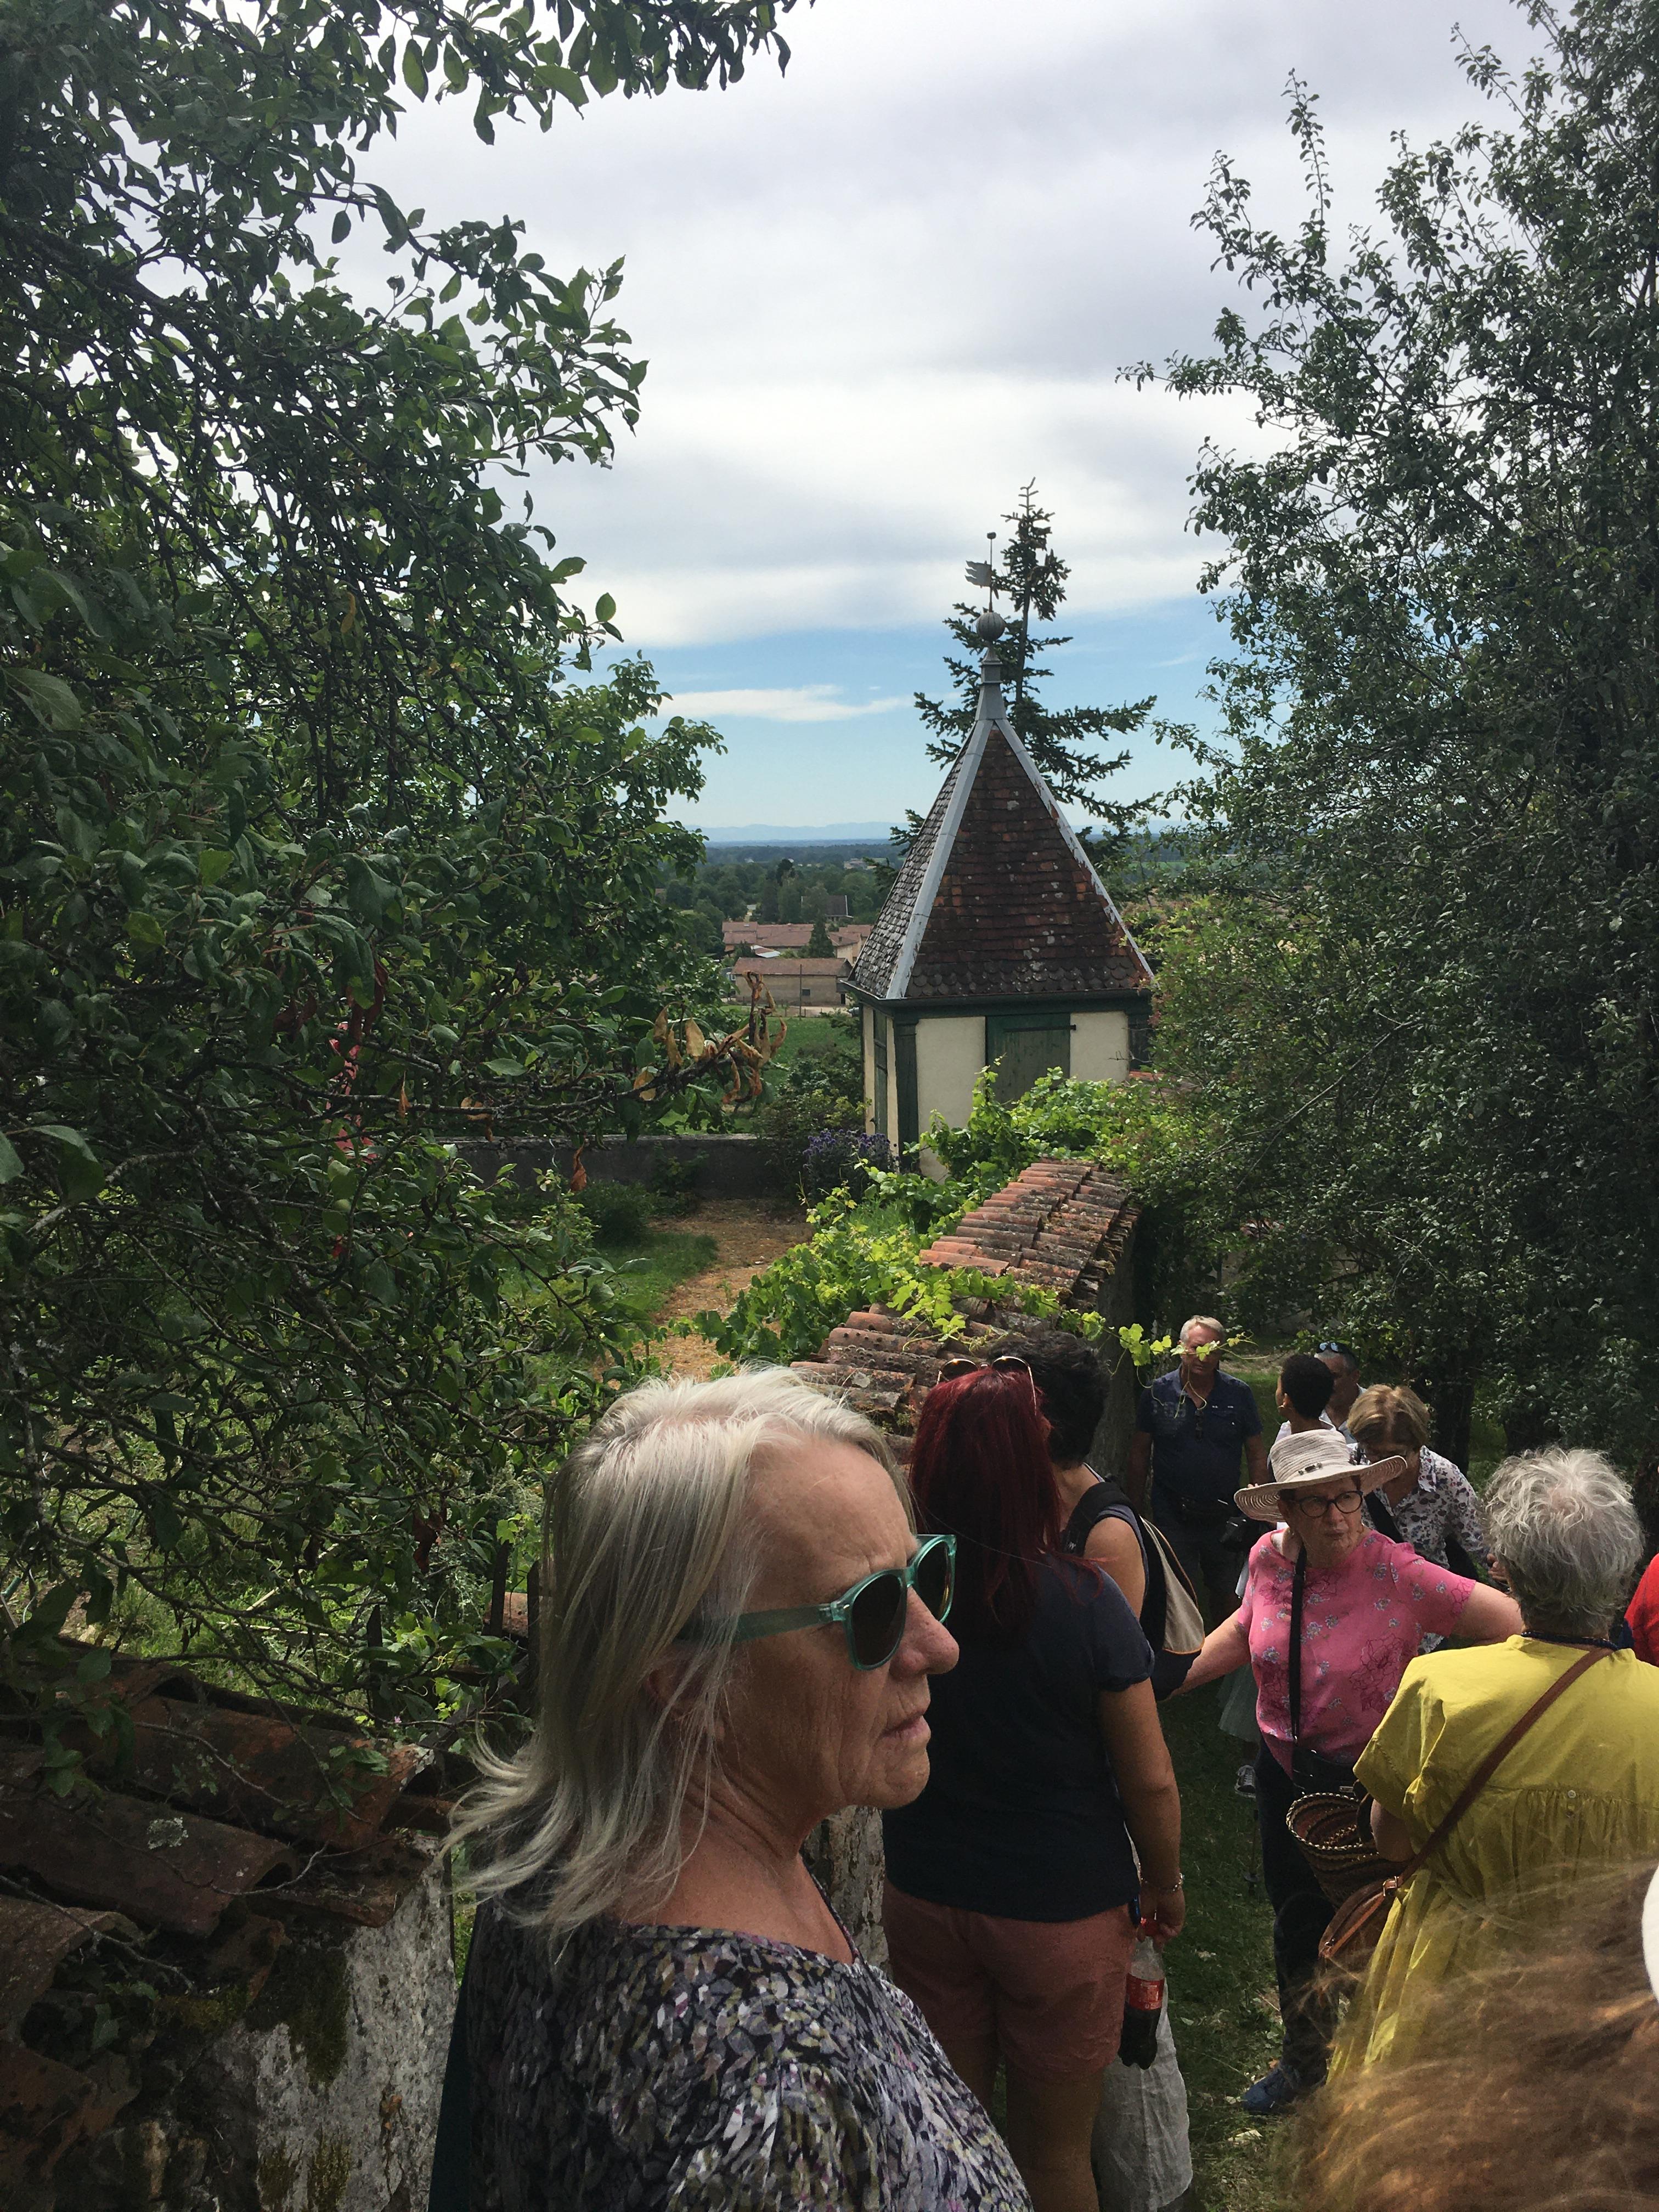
<point x="1166" y="1888"/>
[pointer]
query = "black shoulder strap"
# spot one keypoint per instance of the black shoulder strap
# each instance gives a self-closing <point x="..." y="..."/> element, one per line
<point x="1298" y="1587"/>
<point x="1106" y="1498"/>
<point x="1098" y="1501"/>
<point x="1380" y="1514"/>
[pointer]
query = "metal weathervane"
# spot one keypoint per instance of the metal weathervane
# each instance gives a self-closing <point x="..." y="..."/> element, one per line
<point x="984" y="572"/>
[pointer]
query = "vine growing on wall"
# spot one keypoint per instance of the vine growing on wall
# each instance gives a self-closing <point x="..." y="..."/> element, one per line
<point x="867" y="1251"/>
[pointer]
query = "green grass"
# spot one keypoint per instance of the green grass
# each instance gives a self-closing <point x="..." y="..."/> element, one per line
<point x="650" y="1267"/>
<point x="1222" y="2002"/>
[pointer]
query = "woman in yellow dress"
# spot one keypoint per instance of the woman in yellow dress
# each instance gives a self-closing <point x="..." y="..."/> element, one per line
<point x="1580" y="1790"/>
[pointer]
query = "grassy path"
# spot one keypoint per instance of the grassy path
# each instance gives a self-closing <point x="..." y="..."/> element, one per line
<point x="743" y="1235"/>
<point x="1222" y="2005"/>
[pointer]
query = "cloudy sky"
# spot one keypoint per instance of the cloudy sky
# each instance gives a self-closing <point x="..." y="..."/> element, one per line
<point x="880" y="294"/>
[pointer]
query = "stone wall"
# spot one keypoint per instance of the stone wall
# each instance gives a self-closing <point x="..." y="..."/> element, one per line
<point x="302" y="2074"/>
<point x="335" y="2073"/>
<point x="725" y="1166"/>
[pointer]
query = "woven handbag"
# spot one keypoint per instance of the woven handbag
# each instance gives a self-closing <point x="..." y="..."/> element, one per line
<point x="1333" y="1831"/>
<point x="1357" y="1922"/>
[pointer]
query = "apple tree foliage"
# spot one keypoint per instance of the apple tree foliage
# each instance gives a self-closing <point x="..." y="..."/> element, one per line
<point x="324" y="859"/>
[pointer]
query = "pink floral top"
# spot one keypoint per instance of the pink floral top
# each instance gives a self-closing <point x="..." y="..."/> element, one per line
<point x="1361" y="1623"/>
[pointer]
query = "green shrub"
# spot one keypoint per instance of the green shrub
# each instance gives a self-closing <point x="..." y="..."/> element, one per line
<point x="817" y="1091"/>
<point x="673" y="1183"/>
<point x="620" y="1211"/>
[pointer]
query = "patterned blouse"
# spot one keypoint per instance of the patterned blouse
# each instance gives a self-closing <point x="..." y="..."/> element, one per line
<point x="688" y="2069"/>
<point x="1442" y="1503"/>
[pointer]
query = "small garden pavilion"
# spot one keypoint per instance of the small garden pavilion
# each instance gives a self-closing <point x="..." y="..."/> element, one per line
<point x="998" y="942"/>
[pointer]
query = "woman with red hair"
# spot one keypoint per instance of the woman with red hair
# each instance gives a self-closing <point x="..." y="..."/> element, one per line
<point x="1011" y="1881"/>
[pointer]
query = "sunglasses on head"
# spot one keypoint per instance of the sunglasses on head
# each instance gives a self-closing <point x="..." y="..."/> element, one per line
<point x="952" y="1370"/>
<point x="871" y="1614"/>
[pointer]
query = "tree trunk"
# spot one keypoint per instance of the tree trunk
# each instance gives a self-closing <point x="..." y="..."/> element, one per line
<point x="1451" y="1407"/>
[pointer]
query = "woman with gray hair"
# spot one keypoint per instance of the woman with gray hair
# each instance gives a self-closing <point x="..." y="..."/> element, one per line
<point x="663" y="2009"/>
<point x="1577" y="1790"/>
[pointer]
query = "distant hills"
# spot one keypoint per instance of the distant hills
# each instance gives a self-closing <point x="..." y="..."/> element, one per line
<point x="783" y="833"/>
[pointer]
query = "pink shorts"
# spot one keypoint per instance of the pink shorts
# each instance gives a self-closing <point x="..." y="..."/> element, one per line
<point x="1049" y="1992"/>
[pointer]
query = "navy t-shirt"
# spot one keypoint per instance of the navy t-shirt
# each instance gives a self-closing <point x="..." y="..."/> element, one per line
<point x="1197" y="1450"/>
<point x="1021" y="1816"/>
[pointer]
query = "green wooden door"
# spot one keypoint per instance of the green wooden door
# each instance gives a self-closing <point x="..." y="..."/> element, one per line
<point x="1028" y="1045"/>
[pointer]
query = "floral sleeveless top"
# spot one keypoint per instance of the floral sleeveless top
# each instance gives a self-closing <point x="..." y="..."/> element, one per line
<point x="686" y="2069"/>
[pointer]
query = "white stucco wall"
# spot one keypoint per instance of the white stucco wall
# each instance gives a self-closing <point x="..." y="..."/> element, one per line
<point x="950" y="1053"/>
<point x="1100" y="1047"/>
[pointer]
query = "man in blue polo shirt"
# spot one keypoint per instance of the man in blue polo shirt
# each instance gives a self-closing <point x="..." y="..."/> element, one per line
<point x="1194" y="1426"/>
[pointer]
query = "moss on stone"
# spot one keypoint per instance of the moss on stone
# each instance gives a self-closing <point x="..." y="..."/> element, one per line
<point x="278" y="2171"/>
<point x="307" y="1994"/>
<point x="210" y="2015"/>
<point x="327" y="2175"/>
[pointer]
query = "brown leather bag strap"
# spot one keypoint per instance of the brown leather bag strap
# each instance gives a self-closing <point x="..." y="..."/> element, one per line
<point x="1494" y="1758"/>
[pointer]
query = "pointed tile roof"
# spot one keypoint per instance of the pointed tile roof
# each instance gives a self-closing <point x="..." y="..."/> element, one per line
<point x="996" y="898"/>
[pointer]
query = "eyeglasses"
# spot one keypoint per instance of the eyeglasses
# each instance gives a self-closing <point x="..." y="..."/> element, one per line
<point x="871" y="1613"/>
<point x="952" y="1370"/>
<point x="1346" y="1501"/>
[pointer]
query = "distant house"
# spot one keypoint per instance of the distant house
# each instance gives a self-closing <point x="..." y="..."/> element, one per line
<point x="998" y="942"/>
<point x="847" y="937"/>
<point x="836" y="906"/>
<point x="855" y="867"/>
<point x="798" y="985"/>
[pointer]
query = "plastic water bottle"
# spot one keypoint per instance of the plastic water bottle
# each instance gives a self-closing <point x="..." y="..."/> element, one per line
<point x="1143" y="2001"/>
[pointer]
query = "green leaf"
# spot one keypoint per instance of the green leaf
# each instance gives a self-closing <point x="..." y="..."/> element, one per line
<point x="79" y="1168"/>
<point x="10" y="1166"/>
<point x="397" y="229"/>
<point x="414" y="71"/>
<point x="605" y="607"/>
<point x="50" y="696"/>
<point x="53" y="1610"/>
<point x="145" y="930"/>
<point x="567" y="83"/>
<point x="369" y="894"/>
<point x="342" y="229"/>
<point x="213" y="862"/>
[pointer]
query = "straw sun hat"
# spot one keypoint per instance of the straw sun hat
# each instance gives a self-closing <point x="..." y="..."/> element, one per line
<point x="1299" y="1462"/>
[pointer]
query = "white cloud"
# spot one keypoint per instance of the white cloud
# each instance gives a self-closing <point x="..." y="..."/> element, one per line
<point x="804" y="702"/>
<point x="879" y="294"/>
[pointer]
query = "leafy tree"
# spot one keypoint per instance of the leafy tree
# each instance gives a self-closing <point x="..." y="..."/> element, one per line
<point x="819" y="944"/>
<point x="1419" y="1012"/>
<point x="317" y="870"/>
<point x="1064" y="742"/>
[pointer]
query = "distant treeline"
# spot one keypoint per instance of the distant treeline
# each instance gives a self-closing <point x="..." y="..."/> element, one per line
<point x="796" y="884"/>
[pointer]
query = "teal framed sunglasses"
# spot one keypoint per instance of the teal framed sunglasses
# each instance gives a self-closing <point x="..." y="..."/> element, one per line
<point x="871" y="1614"/>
